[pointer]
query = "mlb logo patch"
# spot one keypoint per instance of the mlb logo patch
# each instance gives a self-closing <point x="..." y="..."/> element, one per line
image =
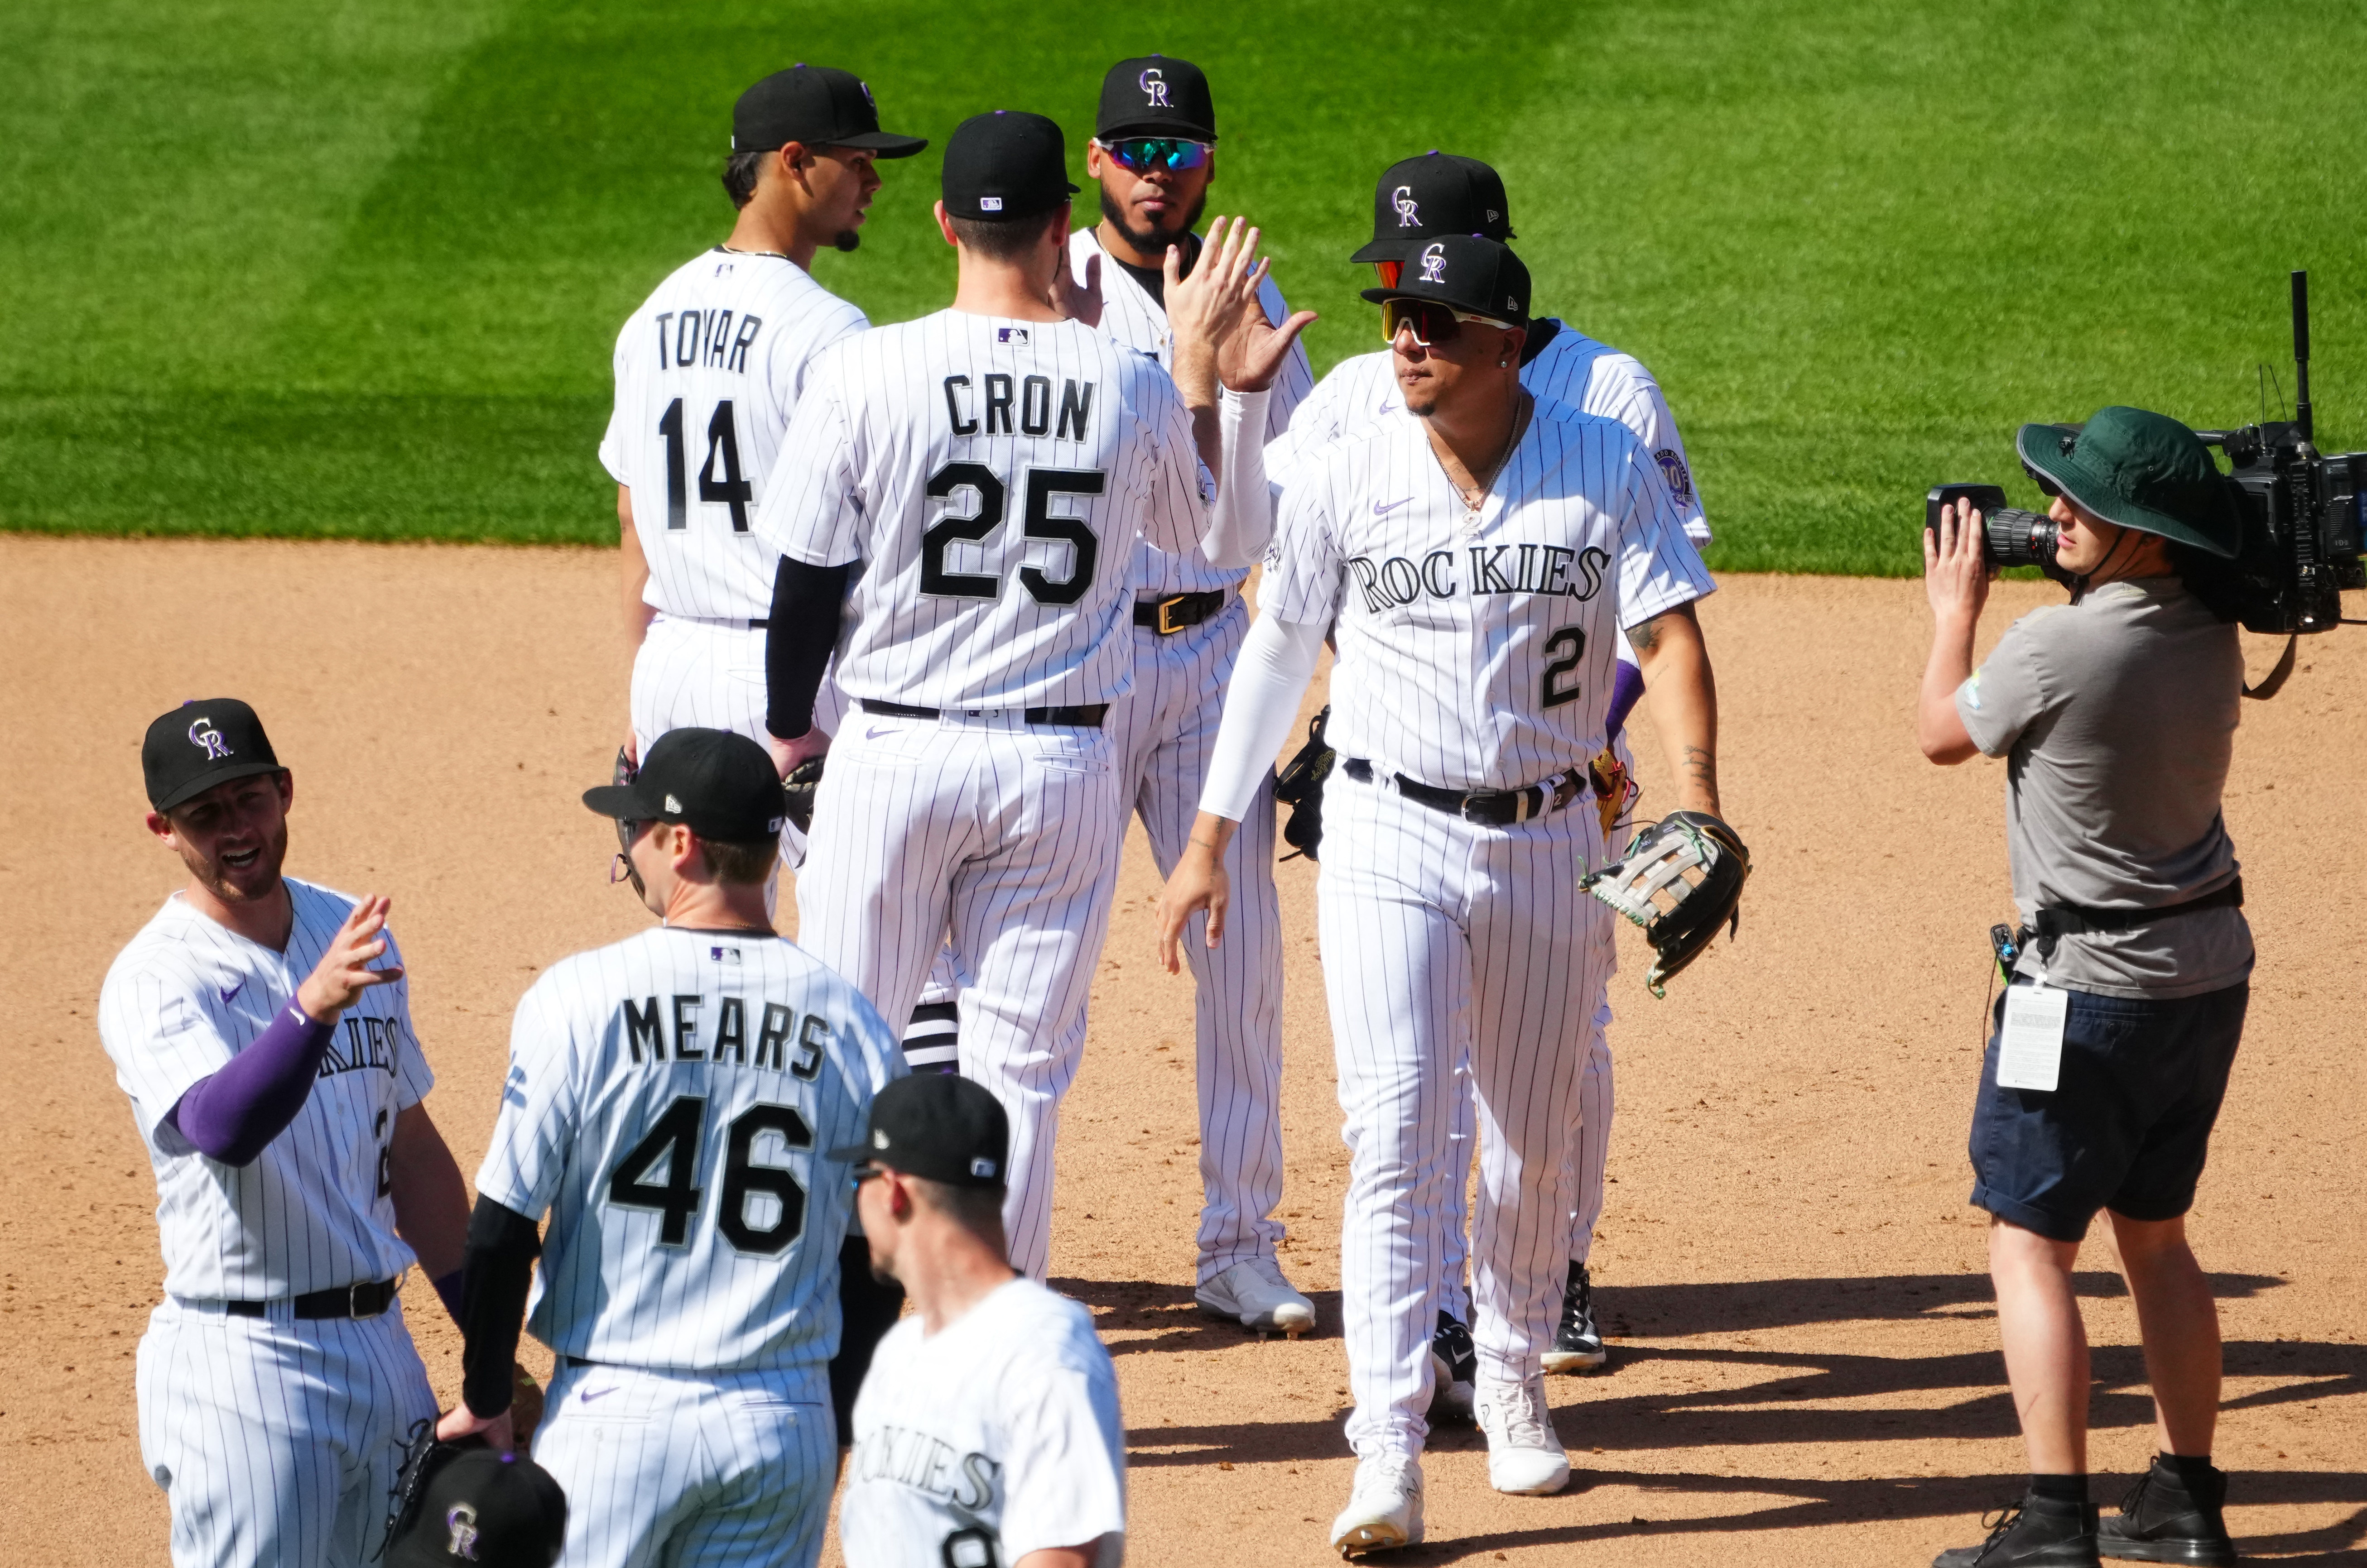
<point x="724" y="954"/>
<point x="1011" y="334"/>
<point x="989" y="204"/>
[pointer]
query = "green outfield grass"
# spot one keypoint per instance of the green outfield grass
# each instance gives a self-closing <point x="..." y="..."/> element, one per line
<point x="356" y="269"/>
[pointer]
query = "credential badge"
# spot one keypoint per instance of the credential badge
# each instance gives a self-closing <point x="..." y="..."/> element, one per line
<point x="1434" y="264"/>
<point x="1409" y="216"/>
<point x="460" y="1518"/>
<point x="203" y="733"/>
<point x="1154" y="88"/>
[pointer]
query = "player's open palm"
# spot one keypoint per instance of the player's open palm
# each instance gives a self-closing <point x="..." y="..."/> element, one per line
<point x="1250" y="349"/>
<point x="344" y="971"/>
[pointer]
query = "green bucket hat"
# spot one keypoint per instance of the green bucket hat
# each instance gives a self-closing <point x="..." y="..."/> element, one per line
<point x="2139" y="470"/>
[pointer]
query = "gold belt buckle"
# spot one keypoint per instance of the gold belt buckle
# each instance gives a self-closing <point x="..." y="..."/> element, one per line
<point x="1167" y="626"/>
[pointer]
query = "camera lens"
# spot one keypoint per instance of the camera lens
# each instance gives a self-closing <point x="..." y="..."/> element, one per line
<point x="2019" y="538"/>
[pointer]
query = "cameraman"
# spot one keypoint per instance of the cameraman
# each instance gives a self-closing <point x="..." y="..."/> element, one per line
<point x="2117" y="714"/>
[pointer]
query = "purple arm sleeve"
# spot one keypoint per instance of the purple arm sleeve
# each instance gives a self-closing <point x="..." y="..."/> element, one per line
<point x="1626" y="687"/>
<point x="231" y="1113"/>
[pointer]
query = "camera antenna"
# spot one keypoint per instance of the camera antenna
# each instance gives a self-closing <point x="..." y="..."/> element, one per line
<point x="2301" y="355"/>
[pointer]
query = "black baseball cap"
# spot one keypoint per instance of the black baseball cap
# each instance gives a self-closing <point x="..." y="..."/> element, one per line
<point x="1008" y="163"/>
<point x="723" y="785"/>
<point x="486" y="1510"/>
<point x="1154" y="95"/>
<point x="1469" y="272"/>
<point x="205" y="741"/>
<point x="817" y="106"/>
<point x="937" y="1126"/>
<point x="1418" y="199"/>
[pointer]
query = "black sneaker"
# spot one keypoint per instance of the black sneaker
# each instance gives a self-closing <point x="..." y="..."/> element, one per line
<point x="1454" y="1369"/>
<point x="1578" y="1344"/>
<point x="2166" y="1520"/>
<point x="2035" y="1532"/>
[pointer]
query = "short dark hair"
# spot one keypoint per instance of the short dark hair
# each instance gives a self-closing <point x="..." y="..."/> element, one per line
<point x="746" y="865"/>
<point x="740" y="171"/>
<point x="977" y="1210"/>
<point x="1005" y="239"/>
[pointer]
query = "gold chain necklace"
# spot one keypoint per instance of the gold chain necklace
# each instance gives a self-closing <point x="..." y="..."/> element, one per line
<point x="1469" y="523"/>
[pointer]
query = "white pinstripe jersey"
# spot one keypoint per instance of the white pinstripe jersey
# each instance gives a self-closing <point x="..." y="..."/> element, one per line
<point x="669" y="1100"/>
<point x="1479" y="658"/>
<point x="707" y="372"/>
<point x="1360" y="394"/>
<point x="314" y="1211"/>
<point x="993" y="478"/>
<point x="1130" y="315"/>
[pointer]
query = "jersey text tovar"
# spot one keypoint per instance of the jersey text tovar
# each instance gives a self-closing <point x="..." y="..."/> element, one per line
<point x="990" y="407"/>
<point x="927" y="1465"/>
<point x="1480" y="571"/>
<point x="705" y="337"/>
<point x="732" y="1030"/>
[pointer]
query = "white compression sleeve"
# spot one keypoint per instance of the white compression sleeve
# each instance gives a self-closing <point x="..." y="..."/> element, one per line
<point x="1261" y="704"/>
<point x="1241" y="522"/>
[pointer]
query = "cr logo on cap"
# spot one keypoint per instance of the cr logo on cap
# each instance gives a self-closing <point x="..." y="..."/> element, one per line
<point x="202" y="733"/>
<point x="1434" y="264"/>
<point x="1408" y="218"/>
<point x="1154" y="88"/>
<point x="460" y="1518"/>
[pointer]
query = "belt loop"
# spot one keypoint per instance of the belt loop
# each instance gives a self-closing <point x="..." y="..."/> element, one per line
<point x="1521" y="808"/>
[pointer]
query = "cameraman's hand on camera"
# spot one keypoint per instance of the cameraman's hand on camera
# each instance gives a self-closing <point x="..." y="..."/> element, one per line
<point x="1956" y="581"/>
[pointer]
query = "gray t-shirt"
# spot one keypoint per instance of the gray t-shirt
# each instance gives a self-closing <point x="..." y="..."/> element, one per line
<point x="2117" y="716"/>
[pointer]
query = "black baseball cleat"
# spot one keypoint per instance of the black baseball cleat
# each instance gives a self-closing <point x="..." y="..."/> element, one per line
<point x="2035" y="1532"/>
<point x="2168" y="1518"/>
<point x="1454" y="1369"/>
<point x="1578" y="1344"/>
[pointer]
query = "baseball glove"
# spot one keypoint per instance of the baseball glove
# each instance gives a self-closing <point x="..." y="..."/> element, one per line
<point x="422" y="1455"/>
<point x="797" y="792"/>
<point x="1680" y="880"/>
<point x="1614" y="792"/>
<point x="1299" y="785"/>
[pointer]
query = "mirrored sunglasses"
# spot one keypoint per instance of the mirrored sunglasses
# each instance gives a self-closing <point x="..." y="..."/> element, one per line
<point x="1144" y="153"/>
<point x="1430" y="323"/>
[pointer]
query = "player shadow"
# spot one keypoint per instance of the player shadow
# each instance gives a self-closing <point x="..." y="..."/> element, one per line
<point x="1793" y="1503"/>
<point x="1137" y="1316"/>
<point x="1657" y="1311"/>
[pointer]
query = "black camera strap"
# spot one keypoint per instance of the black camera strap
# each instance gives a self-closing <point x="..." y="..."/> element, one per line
<point x="2075" y="920"/>
<point x="2276" y="679"/>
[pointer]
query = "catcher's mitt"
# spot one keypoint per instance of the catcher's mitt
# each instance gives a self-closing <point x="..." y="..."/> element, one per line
<point x="1680" y="880"/>
<point x="797" y="792"/>
<point x="1299" y="785"/>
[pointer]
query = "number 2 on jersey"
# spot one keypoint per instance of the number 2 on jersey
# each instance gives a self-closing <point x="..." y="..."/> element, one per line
<point x="672" y="1143"/>
<point x="1570" y="643"/>
<point x="719" y="478"/>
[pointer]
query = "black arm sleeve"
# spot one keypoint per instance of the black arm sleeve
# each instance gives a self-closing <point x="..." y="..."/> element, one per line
<point x="806" y="604"/>
<point x="503" y="1245"/>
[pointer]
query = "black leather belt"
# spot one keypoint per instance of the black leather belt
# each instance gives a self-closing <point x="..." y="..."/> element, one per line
<point x="1079" y="715"/>
<point x="1489" y="808"/>
<point x="1169" y="615"/>
<point x="367" y="1299"/>
<point x="2078" y="919"/>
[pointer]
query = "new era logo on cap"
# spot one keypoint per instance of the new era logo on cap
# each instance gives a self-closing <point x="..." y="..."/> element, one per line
<point x="982" y="1168"/>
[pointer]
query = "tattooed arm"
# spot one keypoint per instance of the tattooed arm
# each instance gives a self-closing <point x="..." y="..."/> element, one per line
<point x="1682" y="692"/>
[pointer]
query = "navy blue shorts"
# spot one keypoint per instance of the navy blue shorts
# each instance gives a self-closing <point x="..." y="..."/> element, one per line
<point x="2128" y="1123"/>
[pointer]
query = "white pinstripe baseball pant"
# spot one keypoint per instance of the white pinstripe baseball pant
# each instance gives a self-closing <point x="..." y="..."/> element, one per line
<point x="1006" y="834"/>
<point x="1163" y="732"/>
<point x="277" y="1441"/>
<point x="1442" y="937"/>
<point x="690" y="1469"/>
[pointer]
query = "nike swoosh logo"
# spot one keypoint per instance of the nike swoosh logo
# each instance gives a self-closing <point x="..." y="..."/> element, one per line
<point x="875" y="734"/>
<point x="1389" y="408"/>
<point x="1381" y="511"/>
<point x="589" y="1394"/>
<point x="234" y="990"/>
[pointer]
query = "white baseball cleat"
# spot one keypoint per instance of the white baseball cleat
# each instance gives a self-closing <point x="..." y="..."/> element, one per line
<point x="1385" y="1509"/>
<point x="1524" y="1454"/>
<point x="1253" y="1293"/>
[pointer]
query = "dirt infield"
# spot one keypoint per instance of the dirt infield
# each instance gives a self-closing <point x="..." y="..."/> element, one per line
<point x="1804" y="1363"/>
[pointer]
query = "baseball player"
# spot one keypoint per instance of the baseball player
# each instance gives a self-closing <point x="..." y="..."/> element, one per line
<point x="667" y="1100"/>
<point x="990" y="468"/>
<point x="1154" y="155"/>
<point x="1476" y="561"/>
<point x="988" y="1432"/>
<point x="1417" y="201"/>
<point x="261" y="1026"/>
